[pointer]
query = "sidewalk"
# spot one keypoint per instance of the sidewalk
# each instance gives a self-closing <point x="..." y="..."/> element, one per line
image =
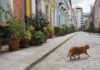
<point x="96" y="34"/>
<point x="23" y="59"/>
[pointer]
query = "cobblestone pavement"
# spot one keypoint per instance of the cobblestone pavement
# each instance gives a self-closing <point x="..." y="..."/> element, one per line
<point x="58" y="61"/>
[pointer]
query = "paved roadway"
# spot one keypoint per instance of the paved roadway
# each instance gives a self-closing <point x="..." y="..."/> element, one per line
<point x="58" y="61"/>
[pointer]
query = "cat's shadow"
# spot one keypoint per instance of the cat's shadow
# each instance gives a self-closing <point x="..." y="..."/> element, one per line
<point x="76" y="59"/>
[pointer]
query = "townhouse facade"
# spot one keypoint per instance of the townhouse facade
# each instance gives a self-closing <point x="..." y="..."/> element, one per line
<point x="17" y="8"/>
<point x="48" y="7"/>
<point x="62" y="9"/>
<point x="65" y="13"/>
<point x="59" y="12"/>
<point x="71" y="15"/>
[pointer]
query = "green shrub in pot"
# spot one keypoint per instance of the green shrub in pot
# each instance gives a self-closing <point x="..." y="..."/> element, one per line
<point x="62" y="30"/>
<point x="15" y="35"/>
<point x="14" y="27"/>
<point x="38" y="20"/>
<point x="26" y="36"/>
<point x="50" y="30"/>
<point x="57" y="30"/>
<point x="39" y="36"/>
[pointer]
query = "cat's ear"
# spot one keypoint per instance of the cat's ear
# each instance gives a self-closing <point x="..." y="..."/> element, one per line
<point x="87" y="45"/>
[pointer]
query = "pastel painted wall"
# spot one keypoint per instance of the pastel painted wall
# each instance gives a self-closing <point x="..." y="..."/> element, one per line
<point x="33" y="3"/>
<point x="28" y="8"/>
<point x="62" y="17"/>
<point x="48" y="7"/>
<point x="18" y="8"/>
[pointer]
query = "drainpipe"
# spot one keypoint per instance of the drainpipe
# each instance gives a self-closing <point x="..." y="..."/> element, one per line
<point x="36" y="1"/>
<point x="99" y="13"/>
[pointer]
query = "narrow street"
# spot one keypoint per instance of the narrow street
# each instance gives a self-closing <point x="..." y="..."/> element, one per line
<point x="38" y="34"/>
<point x="58" y="61"/>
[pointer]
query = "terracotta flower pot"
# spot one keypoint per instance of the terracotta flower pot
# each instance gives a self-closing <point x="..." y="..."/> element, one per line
<point x="13" y="44"/>
<point x="33" y="40"/>
<point x="0" y="44"/>
<point x="24" y="43"/>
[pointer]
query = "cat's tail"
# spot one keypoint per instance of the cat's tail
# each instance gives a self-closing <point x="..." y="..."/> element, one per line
<point x="69" y="53"/>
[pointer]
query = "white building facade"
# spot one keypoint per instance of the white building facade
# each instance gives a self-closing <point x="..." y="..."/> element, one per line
<point x="79" y="17"/>
<point x="62" y="9"/>
<point x="71" y="15"/>
<point x="48" y="7"/>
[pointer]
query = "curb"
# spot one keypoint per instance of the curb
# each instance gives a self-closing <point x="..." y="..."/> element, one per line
<point x="96" y="34"/>
<point x="49" y="52"/>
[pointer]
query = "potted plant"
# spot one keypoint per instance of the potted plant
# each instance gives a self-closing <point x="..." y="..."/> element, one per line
<point x="15" y="35"/>
<point x="45" y="33"/>
<point x="73" y="29"/>
<point x="38" y="20"/>
<point x="39" y="37"/>
<point x="50" y="30"/>
<point x="14" y="28"/>
<point x="62" y="30"/>
<point x="26" y="36"/>
<point x="13" y="44"/>
<point x="57" y="30"/>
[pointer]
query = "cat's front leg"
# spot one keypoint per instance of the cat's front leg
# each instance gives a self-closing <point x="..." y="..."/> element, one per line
<point x="87" y="54"/>
<point x="78" y="56"/>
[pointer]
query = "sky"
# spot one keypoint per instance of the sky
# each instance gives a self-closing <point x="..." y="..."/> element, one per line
<point x="85" y="4"/>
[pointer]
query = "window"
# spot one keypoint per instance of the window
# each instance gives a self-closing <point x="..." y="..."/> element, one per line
<point x="38" y="5"/>
<point x="47" y="10"/>
<point x="0" y="16"/>
<point x="59" y="20"/>
<point x="54" y="17"/>
<point x="5" y="4"/>
<point x="50" y="15"/>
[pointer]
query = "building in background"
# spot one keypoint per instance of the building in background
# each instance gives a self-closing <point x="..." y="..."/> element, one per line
<point x="86" y="21"/>
<point x="80" y="17"/>
<point x="96" y="14"/>
<point x="74" y="20"/>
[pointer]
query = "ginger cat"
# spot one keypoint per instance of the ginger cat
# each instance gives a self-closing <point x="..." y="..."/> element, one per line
<point x="77" y="50"/>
